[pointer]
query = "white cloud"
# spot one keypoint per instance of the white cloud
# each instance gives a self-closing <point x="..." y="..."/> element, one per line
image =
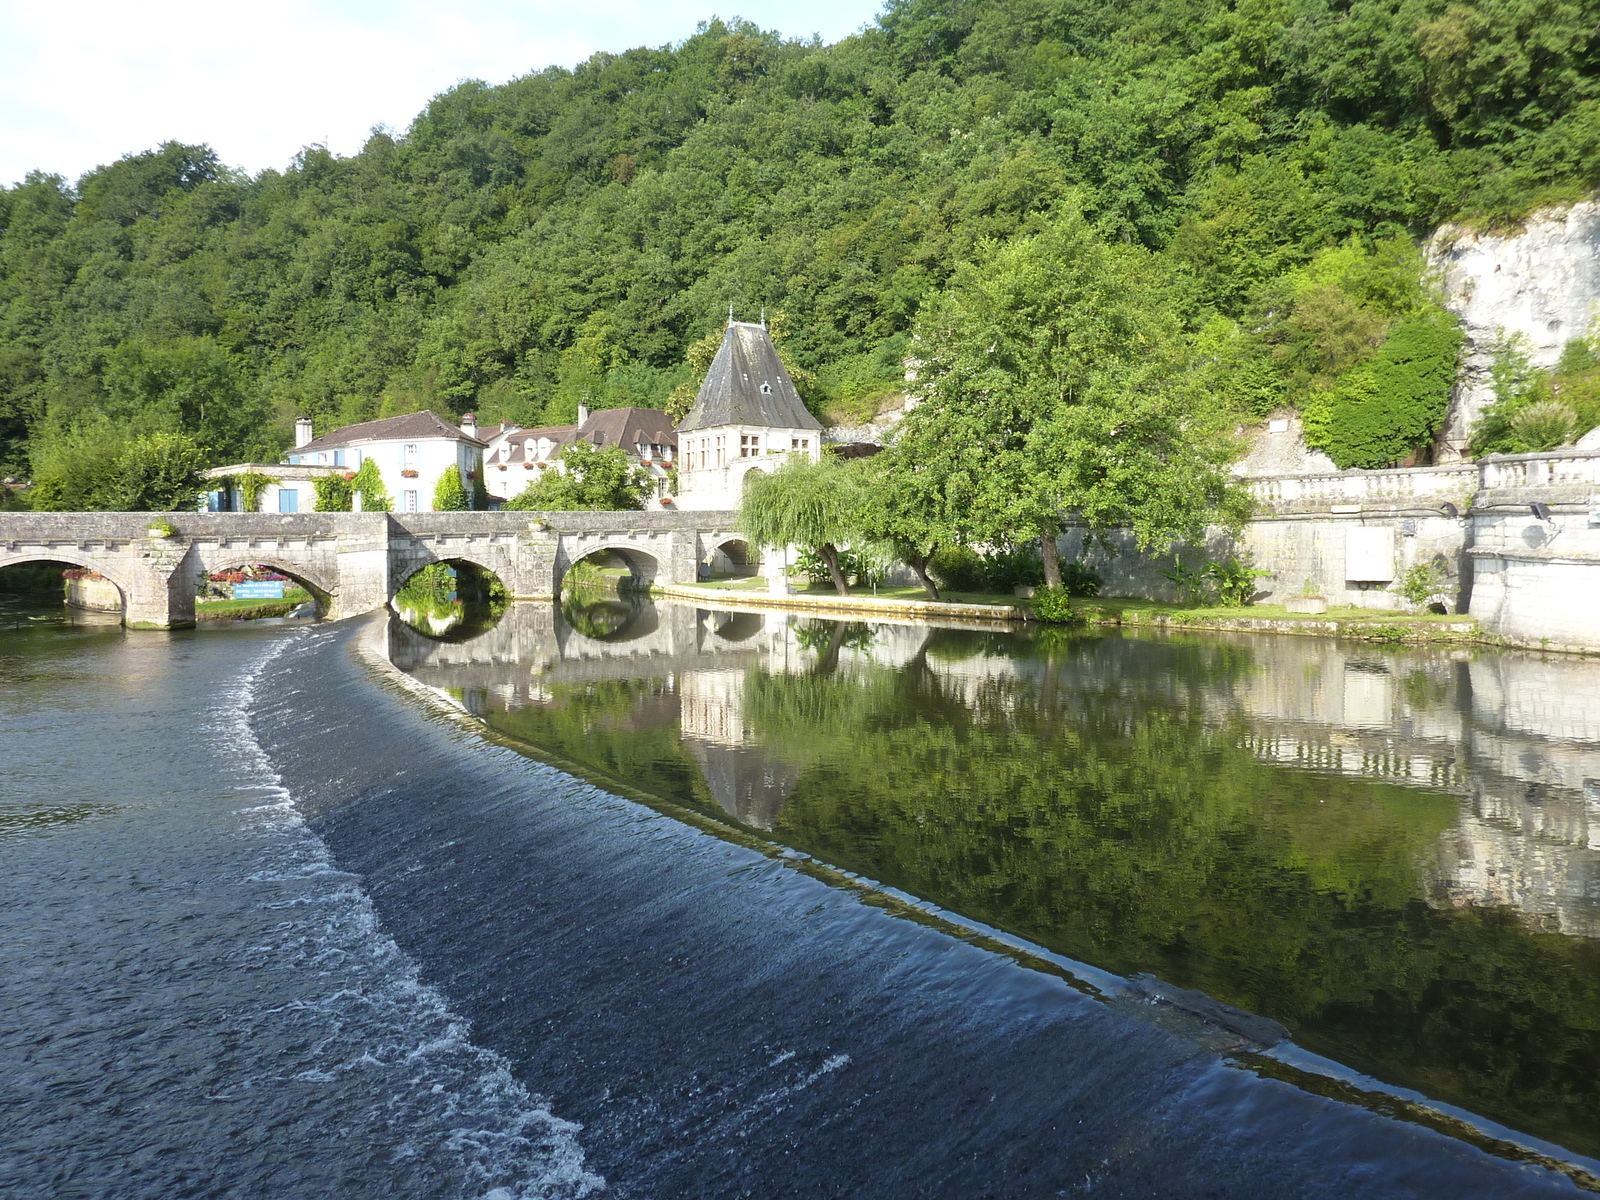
<point x="84" y="85"/>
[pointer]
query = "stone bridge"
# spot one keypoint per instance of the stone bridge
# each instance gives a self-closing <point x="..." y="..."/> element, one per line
<point x="355" y="562"/>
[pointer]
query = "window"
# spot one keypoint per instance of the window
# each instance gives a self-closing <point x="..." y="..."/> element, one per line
<point x="411" y="458"/>
<point x="799" y="443"/>
<point x="411" y="502"/>
<point x="749" y="445"/>
<point x="288" y="500"/>
<point x="722" y="450"/>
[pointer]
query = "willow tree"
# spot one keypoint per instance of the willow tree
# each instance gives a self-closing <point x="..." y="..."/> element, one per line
<point x="819" y="505"/>
<point x="1058" y="384"/>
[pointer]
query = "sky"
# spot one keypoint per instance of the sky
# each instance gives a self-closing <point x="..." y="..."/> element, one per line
<point x="84" y="84"/>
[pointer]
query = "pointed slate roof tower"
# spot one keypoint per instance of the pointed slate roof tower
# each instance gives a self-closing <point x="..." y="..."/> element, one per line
<point x="747" y="386"/>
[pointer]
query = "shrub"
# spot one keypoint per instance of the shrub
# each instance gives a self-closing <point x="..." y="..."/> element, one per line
<point x="368" y="481"/>
<point x="1080" y="580"/>
<point x="448" y="494"/>
<point x="1544" y="426"/>
<point x="1424" y="581"/>
<point x="1191" y="582"/>
<point x="957" y="569"/>
<point x="962" y="569"/>
<point x="1235" y="581"/>
<point x="1381" y="411"/>
<point x="1054" y="604"/>
<point x="333" y="493"/>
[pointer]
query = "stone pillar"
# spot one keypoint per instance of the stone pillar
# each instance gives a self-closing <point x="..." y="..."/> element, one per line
<point x="160" y="585"/>
<point x="365" y="570"/>
<point x="538" y="563"/>
<point x="680" y="562"/>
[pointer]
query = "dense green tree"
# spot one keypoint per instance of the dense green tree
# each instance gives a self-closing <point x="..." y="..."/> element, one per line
<point x="573" y="233"/>
<point x="1058" y="381"/>
<point x="593" y="478"/>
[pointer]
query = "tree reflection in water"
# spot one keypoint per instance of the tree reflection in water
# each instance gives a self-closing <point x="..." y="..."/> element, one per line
<point x="453" y="601"/>
<point x="1379" y="848"/>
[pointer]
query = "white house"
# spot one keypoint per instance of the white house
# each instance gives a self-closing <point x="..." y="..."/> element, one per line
<point x="748" y="417"/>
<point x="515" y="456"/>
<point x="412" y="452"/>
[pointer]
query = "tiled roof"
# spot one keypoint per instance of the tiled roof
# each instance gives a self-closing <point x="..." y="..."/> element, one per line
<point x="516" y="444"/>
<point x="417" y="425"/>
<point x="629" y="427"/>
<point x="747" y="385"/>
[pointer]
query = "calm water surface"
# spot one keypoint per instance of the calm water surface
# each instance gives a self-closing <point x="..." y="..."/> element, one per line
<point x="1394" y="853"/>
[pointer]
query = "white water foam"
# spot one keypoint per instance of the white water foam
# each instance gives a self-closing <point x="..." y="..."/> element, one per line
<point x="366" y="1025"/>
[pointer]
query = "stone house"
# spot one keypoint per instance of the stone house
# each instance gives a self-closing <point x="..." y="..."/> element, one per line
<point x="411" y="451"/>
<point x="516" y="456"/>
<point x="747" y="417"/>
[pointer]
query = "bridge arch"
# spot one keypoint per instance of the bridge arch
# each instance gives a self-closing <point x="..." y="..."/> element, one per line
<point x="71" y="558"/>
<point x="472" y="604"/>
<point x="316" y="586"/>
<point x="732" y="556"/>
<point x="643" y="565"/>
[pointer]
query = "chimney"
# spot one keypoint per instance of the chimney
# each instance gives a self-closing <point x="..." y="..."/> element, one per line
<point x="302" y="431"/>
<point x="469" y="424"/>
<point x="583" y="413"/>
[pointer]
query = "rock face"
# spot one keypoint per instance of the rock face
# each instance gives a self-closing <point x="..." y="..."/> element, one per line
<point x="1543" y="282"/>
<point x="1277" y="447"/>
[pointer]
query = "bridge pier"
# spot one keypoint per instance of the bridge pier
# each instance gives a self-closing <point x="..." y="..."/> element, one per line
<point x="159" y="592"/>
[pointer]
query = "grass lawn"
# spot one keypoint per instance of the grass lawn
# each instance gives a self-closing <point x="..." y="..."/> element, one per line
<point x="243" y="610"/>
<point x="1272" y="612"/>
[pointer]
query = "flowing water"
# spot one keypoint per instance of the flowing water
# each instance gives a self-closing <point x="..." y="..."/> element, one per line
<point x="791" y="908"/>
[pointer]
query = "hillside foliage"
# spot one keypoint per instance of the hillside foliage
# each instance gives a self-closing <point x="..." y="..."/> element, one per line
<point x="578" y="233"/>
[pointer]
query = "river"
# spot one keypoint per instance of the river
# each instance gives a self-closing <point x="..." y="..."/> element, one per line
<point x="653" y="901"/>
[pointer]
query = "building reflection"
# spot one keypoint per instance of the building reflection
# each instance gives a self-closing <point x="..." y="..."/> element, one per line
<point x="1515" y="737"/>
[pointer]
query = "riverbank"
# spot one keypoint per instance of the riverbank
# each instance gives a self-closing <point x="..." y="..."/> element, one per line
<point x="1362" y="624"/>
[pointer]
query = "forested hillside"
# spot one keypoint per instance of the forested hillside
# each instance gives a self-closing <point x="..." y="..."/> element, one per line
<point x="576" y="232"/>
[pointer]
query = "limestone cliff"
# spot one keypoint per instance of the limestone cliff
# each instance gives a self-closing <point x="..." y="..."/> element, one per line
<point x="1542" y="282"/>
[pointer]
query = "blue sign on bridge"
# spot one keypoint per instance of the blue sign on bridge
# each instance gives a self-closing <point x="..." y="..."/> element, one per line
<point x="258" y="590"/>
